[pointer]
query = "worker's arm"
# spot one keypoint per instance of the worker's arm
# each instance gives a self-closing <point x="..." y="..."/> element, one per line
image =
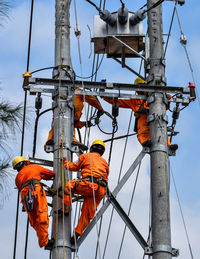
<point x="46" y="174"/>
<point x="93" y="101"/>
<point x="123" y="103"/>
<point x="73" y="166"/>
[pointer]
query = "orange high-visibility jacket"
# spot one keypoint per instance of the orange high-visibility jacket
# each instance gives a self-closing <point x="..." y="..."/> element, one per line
<point x="91" y="164"/>
<point x="78" y="107"/>
<point x="138" y="106"/>
<point x="143" y="130"/>
<point x="38" y="218"/>
<point x="32" y="171"/>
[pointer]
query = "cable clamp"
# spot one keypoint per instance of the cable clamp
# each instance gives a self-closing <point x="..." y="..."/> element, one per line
<point x="161" y="248"/>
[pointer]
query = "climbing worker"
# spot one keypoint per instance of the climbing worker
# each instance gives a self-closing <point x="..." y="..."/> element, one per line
<point x="33" y="196"/>
<point x="141" y="112"/>
<point x="78" y="107"/>
<point x="94" y="172"/>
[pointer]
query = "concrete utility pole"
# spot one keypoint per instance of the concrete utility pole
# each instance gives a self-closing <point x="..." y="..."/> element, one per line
<point x="63" y="126"/>
<point x="161" y="233"/>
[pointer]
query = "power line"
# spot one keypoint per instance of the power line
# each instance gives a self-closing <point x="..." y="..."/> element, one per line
<point x="182" y="216"/>
<point x="23" y="130"/>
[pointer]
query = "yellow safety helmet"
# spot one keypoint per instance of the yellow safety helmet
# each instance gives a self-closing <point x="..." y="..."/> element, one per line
<point x="17" y="160"/>
<point x="139" y="81"/>
<point x="100" y="149"/>
<point x="98" y="142"/>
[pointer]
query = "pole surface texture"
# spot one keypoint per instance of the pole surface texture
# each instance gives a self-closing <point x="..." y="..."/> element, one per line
<point x="161" y="233"/>
<point x="63" y="127"/>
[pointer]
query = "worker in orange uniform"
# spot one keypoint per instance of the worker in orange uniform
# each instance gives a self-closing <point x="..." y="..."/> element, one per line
<point x="78" y="107"/>
<point x="33" y="196"/>
<point x="141" y="112"/>
<point x="94" y="172"/>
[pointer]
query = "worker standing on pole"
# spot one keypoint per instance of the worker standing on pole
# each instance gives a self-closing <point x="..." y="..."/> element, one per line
<point x="78" y="107"/>
<point x="94" y="172"/>
<point x="33" y="196"/>
<point x="141" y="113"/>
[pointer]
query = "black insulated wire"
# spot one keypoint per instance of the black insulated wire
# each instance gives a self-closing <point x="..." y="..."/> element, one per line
<point x="170" y="28"/>
<point x="23" y="127"/>
<point x="98" y="9"/>
<point x="123" y="5"/>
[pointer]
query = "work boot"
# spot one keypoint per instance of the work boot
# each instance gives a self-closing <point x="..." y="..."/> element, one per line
<point x="173" y="147"/>
<point x="73" y="238"/>
<point x="80" y="145"/>
<point x="50" y="244"/>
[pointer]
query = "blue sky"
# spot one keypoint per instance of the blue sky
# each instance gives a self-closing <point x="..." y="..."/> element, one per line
<point x="186" y="164"/>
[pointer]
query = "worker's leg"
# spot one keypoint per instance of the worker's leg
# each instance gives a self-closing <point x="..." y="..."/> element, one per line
<point x="70" y="188"/>
<point x="89" y="205"/>
<point x="42" y="219"/>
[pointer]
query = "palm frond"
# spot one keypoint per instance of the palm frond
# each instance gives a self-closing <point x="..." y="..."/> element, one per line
<point x="11" y="117"/>
<point x="4" y="9"/>
<point x="6" y="180"/>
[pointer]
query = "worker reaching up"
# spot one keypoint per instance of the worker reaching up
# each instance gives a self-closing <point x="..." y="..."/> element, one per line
<point x="94" y="172"/>
<point x="33" y="196"/>
<point x="141" y="113"/>
<point x="78" y="107"/>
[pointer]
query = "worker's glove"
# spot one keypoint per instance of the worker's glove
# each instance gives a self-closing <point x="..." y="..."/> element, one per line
<point x="100" y="113"/>
<point x="88" y="124"/>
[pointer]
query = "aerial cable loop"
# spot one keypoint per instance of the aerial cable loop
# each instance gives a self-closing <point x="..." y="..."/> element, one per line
<point x="94" y="73"/>
<point x="23" y="127"/>
<point x="181" y="211"/>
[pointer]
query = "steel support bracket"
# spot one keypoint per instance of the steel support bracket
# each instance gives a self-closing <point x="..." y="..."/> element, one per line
<point x="161" y="248"/>
<point x="159" y="147"/>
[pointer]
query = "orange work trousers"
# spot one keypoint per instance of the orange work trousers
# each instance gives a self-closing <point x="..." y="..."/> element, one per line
<point x="38" y="218"/>
<point x="90" y="203"/>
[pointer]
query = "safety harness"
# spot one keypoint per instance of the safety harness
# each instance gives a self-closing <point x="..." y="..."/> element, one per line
<point x="97" y="180"/>
<point x="29" y="199"/>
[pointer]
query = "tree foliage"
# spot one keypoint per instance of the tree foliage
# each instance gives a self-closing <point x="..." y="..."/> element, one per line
<point x="11" y="117"/>
<point x="4" y="10"/>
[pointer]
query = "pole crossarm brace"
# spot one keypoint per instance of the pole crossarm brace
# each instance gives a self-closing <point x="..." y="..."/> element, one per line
<point x="127" y="220"/>
<point x="114" y="193"/>
<point x="128" y="47"/>
<point x="103" y="86"/>
<point x="129" y="68"/>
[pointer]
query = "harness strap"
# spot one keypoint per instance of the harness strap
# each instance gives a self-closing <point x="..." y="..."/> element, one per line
<point x="97" y="180"/>
<point x="30" y="182"/>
